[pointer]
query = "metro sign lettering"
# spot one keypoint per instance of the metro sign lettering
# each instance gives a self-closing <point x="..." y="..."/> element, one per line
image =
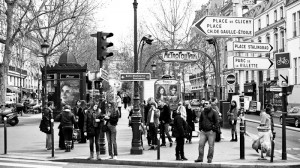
<point x="177" y="55"/>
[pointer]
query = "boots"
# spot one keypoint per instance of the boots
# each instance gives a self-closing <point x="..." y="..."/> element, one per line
<point x="235" y="139"/>
<point x="91" y="156"/>
<point x="232" y="138"/>
<point x="98" y="155"/>
<point x="183" y="157"/>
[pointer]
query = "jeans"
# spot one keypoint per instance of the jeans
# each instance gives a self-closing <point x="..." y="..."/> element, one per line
<point x="164" y="131"/>
<point x="153" y="133"/>
<point x="48" y="141"/>
<point x="111" y="135"/>
<point x="95" y="139"/>
<point x="179" y="147"/>
<point x="209" y="136"/>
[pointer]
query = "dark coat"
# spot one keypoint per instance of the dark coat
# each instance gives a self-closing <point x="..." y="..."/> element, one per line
<point x="190" y="118"/>
<point x="66" y="118"/>
<point x="179" y="127"/>
<point x="89" y="121"/>
<point x="209" y="118"/>
<point x="165" y="114"/>
<point x="81" y="115"/>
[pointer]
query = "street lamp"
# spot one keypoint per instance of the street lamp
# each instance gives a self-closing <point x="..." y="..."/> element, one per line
<point x="44" y="48"/>
<point x="153" y="68"/>
<point x="213" y="41"/>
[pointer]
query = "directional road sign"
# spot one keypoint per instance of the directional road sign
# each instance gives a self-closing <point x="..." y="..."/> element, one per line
<point x="251" y="63"/>
<point x="225" y="26"/>
<point x="249" y="47"/>
<point x="135" y="76"/>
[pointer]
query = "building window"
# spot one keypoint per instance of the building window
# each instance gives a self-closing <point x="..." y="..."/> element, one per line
<point x="259" y="24"/>
<point x="282" y="41"/>
<point x="276" y="42"/>
<point x="298" y="22"/>
<point x="267" y="20"/>
<point x="275" y="15"/>
<point x="247" y="76"/>
<point x="295" y="70"/>
<point x="281" y="12"/>
<point x="294" y="25"/>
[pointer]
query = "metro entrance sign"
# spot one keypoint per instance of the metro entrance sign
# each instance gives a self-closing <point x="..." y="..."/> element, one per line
<point x="180" y="55"/>
<point x="135" y="76"/>
<point x="249" y="47"/>
<point x="225" y="26"/>
<point x="251" y="63"/>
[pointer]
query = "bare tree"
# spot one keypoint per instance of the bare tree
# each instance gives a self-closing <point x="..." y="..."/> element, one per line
<point x="36" y="21"/>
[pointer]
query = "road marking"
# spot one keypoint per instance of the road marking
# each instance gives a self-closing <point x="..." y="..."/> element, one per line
<point x="29" y="165"/>
<point x="33" y="161"/>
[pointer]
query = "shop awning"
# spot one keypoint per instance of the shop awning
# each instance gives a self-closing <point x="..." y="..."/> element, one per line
<point x="13" y="89"/>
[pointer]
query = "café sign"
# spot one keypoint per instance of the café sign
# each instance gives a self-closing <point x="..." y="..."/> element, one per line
<point x="177" y="55"/>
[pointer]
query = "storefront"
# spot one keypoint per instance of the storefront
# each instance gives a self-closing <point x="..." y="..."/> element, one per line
<point x="268" y="95"/>
<point x="250" y="90"/>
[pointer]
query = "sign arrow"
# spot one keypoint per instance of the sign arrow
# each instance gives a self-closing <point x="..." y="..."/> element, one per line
<point x="251" y="63"/>
<point x="225" y="26"/>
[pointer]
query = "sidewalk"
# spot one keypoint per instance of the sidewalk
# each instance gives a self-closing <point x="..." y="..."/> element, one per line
<point x="226" y="154"/>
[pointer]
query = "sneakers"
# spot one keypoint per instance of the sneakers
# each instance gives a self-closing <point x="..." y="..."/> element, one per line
<point x="115" y="157"/>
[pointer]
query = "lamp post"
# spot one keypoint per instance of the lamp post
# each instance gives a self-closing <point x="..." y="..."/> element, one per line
<point x="213" y="41"/>
<point x="153" y="69"/>
<point x="136" y="147"/>
<point x="44" y="48"/>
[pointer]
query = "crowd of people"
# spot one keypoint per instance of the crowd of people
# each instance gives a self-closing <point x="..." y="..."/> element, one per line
<point x="94" y="119"/>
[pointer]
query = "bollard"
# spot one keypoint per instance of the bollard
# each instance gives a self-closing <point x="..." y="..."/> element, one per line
<point x="242" y="140"/>
<point x="158" y="145"/>
<point x="52" y="136"/>
<point x="5" y="135"/>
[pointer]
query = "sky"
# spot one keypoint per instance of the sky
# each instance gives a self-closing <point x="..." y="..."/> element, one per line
<point x="117" y="16"/>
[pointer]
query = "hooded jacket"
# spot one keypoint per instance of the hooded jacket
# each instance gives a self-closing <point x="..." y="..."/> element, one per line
<point x="66" y="118"/>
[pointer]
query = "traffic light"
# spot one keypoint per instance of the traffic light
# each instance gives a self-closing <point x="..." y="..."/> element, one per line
<point x="102" y="45"/>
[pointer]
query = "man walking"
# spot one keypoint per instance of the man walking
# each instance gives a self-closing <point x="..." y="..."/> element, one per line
<point x="165" y="119"/>
<point x="207" y="123"/>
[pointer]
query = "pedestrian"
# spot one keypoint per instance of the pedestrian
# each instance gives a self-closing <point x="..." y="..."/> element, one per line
<point x="146" y="111"/>
<point x="181" y="109"/>
<point x="165" y="119"/>
<point x="190" y="118"/>
<point x="152" y="124"/>
<point x="67" y="122"/>
<point x="119" y="103"/>
<point x="45" y="125"/>
<point x="207" y="122"/>
<point x="92" y="128"/>
<point x="81" y="114"/>
<point x="232" y="119"/>
<point x="179" y="133"/>
<point x="112" y="118"/>
<point x="125" y="100"/>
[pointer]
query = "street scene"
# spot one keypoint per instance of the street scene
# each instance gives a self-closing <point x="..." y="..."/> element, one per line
<point x="109" y="83"/>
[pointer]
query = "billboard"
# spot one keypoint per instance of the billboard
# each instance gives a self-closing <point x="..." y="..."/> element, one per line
<point x="69" y="91"/>
<point x="168" y="90"/>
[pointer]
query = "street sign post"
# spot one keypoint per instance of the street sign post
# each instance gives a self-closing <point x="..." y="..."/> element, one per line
<point x="230" y="79"/>
<point x="282" y="60"/>
<point x="135" y="76"/>
<point x="225" y="26"/>
<point x="249" y="47"/>
<point x="251" y="63"/>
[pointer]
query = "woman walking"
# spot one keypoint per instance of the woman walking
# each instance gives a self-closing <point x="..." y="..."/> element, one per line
<point x="67" y="121"/>
<point x="92" y="128"/>
<point x="179" y="132"/>
<point x="119" y="103"/>
<point x="112" y="118"/>
<point x="232" y="118"/>
<point x="190" y="118"/>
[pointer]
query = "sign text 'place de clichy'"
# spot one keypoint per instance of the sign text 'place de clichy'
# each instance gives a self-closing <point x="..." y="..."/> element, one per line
<point x="225" y="26"/>
<point x="251" y="63"/>
<point x="178" y="55"/>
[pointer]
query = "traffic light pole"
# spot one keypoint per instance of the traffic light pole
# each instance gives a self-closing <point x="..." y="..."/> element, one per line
<point x="136" y="147"/>
<point x="102" y="134"/>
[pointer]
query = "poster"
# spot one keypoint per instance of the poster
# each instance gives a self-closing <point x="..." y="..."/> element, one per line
<point x="168" y="91"/>
<point x="69" y="92"/>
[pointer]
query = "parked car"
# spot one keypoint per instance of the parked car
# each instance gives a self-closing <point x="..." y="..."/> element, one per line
<point x="292" y="117"/>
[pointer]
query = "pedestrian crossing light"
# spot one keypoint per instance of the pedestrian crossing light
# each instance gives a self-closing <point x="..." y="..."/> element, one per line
<point x="102" y="45"/>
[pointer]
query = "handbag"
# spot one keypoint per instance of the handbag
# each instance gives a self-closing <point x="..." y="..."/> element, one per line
<point x="76" y="134"/>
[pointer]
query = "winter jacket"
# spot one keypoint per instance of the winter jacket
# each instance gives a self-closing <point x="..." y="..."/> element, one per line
<point x="179" y="126"/>
<point x="165" y="114"/>
<point x="155" y="116"/>
<point x="232" y="114"/>
<point x="90" y="120"/>
<point x="209" y="118"/>
<point x="66" y="118"/>
<point x="114" y="116"/>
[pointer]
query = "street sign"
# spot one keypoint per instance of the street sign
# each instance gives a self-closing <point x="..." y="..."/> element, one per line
<point x="275" y="89"/>
<point x="231" y="88"/>
<point x="282" y="60"/>
<point x="178" y="55"/>
<point x="249" y="47"/>
<point x="225" y="26"/>
<point x="103" y="74"/>
<point x="251" y="63"/>
<point x="230" y="79"/>
<point x="135" y="76"/>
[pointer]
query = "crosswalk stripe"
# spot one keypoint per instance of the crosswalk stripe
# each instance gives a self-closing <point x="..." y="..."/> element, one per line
<point x="33" y="161"/>
<point x="27" y="165"/>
